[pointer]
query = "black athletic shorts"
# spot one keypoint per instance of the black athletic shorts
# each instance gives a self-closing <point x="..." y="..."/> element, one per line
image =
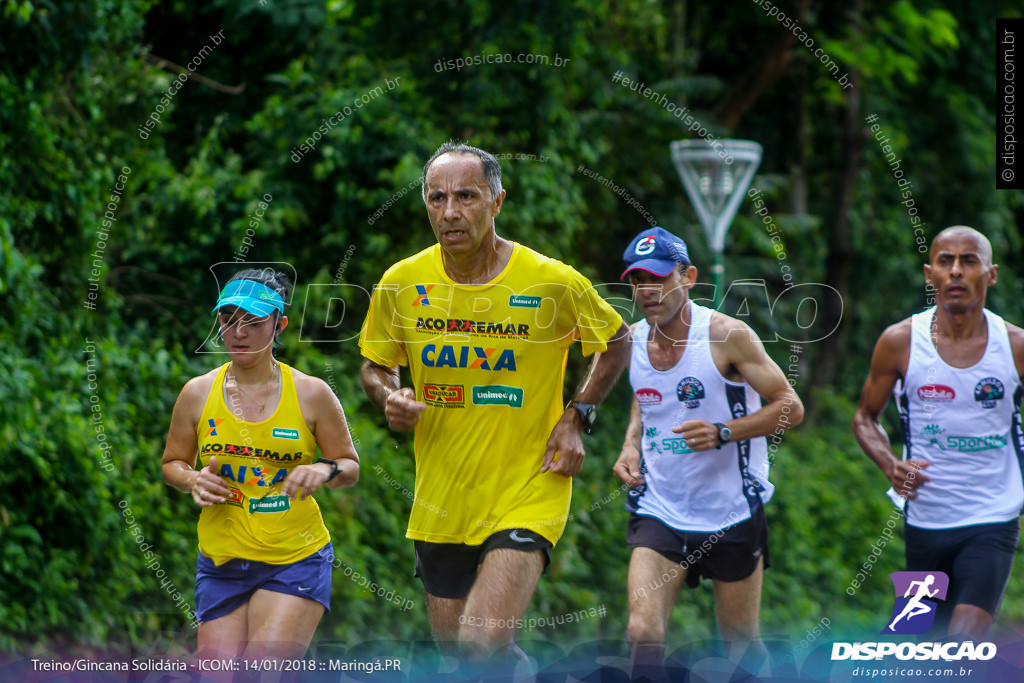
<point x="448" y="570"/>
<point x="729" y="555"/>
<point x="976" y="558"/>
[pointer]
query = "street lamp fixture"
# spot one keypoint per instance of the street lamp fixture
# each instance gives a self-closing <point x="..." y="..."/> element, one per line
<point x="715" y="176"/>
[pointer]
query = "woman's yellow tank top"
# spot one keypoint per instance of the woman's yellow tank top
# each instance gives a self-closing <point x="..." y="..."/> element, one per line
<point x="258" y="522"/>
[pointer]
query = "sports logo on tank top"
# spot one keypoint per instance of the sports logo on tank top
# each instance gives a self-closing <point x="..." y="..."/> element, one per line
<point x="648" y="396"/>
<point x="988" y="391"/>
<point x="690" y="391"/>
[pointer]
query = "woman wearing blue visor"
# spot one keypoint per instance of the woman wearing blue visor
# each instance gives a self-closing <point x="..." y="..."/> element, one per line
<point x="263" y="578"/>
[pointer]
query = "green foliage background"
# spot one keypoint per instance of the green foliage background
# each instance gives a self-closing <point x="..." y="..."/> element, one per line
<point x="77" y="80"/>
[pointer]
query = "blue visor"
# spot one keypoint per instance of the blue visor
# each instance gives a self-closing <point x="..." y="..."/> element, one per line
<point x="249" y="295"/>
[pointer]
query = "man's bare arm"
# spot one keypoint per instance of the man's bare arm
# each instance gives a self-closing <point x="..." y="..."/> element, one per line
<point x="565" y="437"/>
<point x="627" y="467"/>
<point x="888" y="363"/>
<point x="741" y="349"/>
<point x="400" y="406"/>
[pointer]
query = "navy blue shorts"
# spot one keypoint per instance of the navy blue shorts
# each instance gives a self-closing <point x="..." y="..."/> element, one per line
<point x="976" y="558"/>
<point x="220" y="590"/>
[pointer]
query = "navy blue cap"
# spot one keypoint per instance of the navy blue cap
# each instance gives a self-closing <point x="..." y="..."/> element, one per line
<point x="655" y="250"/>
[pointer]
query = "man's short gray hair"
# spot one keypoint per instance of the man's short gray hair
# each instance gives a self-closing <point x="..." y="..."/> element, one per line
<point x="492" y="169"/>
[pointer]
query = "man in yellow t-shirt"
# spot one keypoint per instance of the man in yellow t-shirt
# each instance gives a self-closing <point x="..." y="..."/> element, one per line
<point x="484" y="326"/>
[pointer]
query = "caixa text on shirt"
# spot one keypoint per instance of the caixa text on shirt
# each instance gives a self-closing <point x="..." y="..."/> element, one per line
<point x="448" y="356"/>
<point x="249" y="452"/>
<point x="266" y="477"/>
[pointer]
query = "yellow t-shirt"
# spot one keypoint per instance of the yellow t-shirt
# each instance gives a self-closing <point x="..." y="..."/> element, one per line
<point x="489" y="362"/>
<point x="258" y="522"/>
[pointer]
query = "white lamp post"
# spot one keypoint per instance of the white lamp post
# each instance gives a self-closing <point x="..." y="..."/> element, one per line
<point x="715" y="186"/>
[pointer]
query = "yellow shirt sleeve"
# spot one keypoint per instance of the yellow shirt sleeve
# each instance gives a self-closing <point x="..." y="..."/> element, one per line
<point x="593" y="319"/>
<point x="377" y="338"/>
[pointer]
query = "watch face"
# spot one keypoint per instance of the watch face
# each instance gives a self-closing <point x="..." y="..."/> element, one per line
<point x="588" y="414"/>
<point x="724" y="434"/>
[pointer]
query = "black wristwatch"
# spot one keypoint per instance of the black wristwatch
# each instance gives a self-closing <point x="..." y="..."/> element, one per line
<point x="334" y="467"/>
<point x="724" y="434"/>
<point x="588" y="414"/>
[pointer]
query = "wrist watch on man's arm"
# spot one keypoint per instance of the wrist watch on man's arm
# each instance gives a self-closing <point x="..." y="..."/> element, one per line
<point x="724" y="434"/>
<point x="588" y="414"/>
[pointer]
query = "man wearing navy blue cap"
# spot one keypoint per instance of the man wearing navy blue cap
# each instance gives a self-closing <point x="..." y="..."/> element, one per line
<point x="695" y="456"/>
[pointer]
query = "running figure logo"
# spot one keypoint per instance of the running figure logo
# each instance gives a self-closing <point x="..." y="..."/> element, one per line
<point x="914" y="613"/>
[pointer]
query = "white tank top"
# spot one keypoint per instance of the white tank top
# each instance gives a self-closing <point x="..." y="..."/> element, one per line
<point x="966" y="423"/>
<point x="694" y="491"/>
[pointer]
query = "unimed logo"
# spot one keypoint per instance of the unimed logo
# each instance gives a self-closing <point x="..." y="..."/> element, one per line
<point x="519" y="301"/>
<point x="269" y="504"/>
<point x="498" y="395"/>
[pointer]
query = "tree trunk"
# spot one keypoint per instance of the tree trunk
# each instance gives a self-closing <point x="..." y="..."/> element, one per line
<point x="763" y="73"/>
<point x="827" y="353"/>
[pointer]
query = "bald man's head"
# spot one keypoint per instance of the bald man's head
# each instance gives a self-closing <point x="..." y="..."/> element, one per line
<point x="957" y="233"/>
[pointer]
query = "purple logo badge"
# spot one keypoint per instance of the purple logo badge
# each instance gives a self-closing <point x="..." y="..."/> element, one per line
<point x="916" y="595"/>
